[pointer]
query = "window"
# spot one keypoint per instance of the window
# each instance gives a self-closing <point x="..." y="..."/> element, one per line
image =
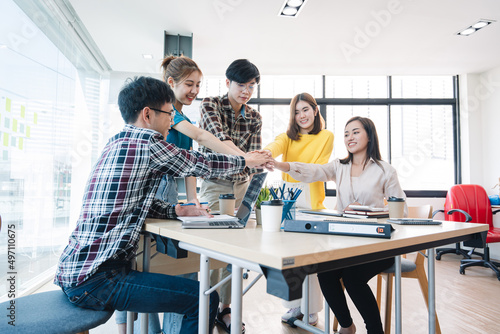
<point x="422" y="146"/>
<point x="50" y="128"/>
<point x="414" y="116"/>
<point x="285" y="86"/>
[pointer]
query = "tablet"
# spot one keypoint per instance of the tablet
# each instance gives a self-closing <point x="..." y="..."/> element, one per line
<point x="413" y="221"/>
<point x="324" y="212"/>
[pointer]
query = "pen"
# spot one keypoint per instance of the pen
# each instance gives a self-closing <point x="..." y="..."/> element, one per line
<point x="186" y="204"/>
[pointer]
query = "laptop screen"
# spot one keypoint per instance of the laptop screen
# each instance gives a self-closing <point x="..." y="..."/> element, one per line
<point x="250" y="197"/>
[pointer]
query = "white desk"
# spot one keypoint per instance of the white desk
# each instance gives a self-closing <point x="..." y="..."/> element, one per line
<point x="285" y="258"/>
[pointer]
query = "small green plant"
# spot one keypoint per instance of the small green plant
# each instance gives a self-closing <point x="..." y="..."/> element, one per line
<point x="264" y="195"/>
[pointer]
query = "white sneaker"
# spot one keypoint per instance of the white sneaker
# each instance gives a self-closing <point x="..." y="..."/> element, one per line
<point x="292" y="313"/>
<point x="313" y="319"/>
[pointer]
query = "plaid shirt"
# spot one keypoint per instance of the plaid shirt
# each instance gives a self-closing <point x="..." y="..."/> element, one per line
<point x="218" y="117"/>
<point x="120" y="195"/>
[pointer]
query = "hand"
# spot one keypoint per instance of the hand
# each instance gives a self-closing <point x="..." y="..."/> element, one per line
<point x="257" y="159"/>
<point x="269" y="166"/>
<point x="192" y="210"/>
<point x="195" y="201"/>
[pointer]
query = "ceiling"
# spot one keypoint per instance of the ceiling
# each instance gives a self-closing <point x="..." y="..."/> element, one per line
<point x="332" y="37"/>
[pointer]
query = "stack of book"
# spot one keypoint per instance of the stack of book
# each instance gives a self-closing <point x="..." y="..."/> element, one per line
<point x="363" y="211"/>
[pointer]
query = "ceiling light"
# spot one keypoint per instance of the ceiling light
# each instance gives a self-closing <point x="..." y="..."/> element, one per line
<point x="480" y="24"/>
<point x="291" y="8"/>
<point x="467" y="32"/>
<point x="475" y="27"/>
<point x="294" y="3"/>
<point x="147" y="56"/>
<point x="290" y="11"/>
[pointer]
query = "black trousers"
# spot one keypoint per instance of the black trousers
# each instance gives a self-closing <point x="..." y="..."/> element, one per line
<point x="355" y="280"/>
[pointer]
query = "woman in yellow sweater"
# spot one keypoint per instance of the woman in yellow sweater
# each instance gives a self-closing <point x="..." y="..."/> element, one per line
<point x="306" y="140"/>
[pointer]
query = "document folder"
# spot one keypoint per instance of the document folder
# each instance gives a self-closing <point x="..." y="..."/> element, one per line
<point x="358" y="229"/>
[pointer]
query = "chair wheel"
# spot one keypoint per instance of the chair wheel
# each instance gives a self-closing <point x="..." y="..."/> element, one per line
<point x="438" y="257"/>
<point x="462" y="271"/>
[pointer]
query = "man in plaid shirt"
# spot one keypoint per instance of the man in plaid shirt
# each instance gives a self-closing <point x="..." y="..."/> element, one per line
<point x="232" y="121"/>
<point x="95" y="268"/>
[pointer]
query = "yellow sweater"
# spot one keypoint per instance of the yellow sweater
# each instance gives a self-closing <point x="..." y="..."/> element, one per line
<point x="314" y="149"/>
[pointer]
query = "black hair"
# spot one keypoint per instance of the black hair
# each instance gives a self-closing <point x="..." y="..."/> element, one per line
<point x="141" y="92"/>
<point x="242" y="71"/>
<point x="372" y="150"/>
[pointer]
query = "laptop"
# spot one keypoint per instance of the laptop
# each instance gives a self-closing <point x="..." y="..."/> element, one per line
<point x="226" y="221"/>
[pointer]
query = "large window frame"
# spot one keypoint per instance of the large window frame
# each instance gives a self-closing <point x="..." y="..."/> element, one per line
<point x="453" y="102"/>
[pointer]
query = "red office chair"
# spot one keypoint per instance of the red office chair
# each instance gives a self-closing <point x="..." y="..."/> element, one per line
<point x="450" y="209"/>
<point x="470" y="203"/>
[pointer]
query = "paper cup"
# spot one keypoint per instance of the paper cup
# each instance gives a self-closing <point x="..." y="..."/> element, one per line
<point x="396" y="207"/>
<point x="226" y="204"/>
<point x="271" y="212"/>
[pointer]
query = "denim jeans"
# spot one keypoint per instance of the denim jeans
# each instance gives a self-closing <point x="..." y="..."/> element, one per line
<point x="116" y="287"/>
<point x="171" y="321"/>
<point x="167" y="191"/>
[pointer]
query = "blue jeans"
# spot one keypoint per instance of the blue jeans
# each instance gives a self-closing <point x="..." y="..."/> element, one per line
<point x="116" y="287"/>
<point x="167" y="191"/>
<point x="171" y="321"/>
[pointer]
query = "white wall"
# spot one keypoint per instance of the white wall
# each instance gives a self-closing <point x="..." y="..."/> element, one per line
<point x="480" y="129"/>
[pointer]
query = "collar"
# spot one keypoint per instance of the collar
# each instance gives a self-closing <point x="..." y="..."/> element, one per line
<point x="227" y="106"/>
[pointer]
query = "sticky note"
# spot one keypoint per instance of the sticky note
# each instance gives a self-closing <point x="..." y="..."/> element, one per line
<point x="5" y="139"/>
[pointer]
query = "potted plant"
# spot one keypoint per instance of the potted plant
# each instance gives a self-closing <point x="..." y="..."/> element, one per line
<point x="264" y="195"/>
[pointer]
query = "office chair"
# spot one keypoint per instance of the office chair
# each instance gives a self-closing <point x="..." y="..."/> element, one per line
<point x="470" y="203"/>
<point x="409" y="269"/>
<point x="449" y="209"/>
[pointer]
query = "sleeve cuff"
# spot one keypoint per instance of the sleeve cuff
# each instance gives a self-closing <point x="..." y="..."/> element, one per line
<point x="170" y="212"/>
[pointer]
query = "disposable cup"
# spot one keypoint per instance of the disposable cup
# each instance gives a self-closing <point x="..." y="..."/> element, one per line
<point x="271" y="212"/>
<point x="226" y="204"/>
<point x="396" y="207"/>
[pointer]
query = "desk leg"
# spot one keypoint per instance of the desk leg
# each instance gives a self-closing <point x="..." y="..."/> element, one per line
<point x="432" y="290"/>
<point x="236" y="298"/>
<point x="204" y="300"/>
<point x="146" y="257"/>
<point x="305" y="296"/>
<point x="397" y="287"/>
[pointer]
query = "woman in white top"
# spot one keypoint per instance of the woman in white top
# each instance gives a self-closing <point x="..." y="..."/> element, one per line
<point x="362" y="178"/>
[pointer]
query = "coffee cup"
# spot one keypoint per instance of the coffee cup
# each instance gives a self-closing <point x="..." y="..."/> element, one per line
<point x="396" y="207"/>
<point x="226" y="204"/>
<point x="271" y="212"/>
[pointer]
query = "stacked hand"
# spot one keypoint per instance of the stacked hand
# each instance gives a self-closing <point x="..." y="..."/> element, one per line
<point x="272" y="164"/>
<point x="259" y="159"/>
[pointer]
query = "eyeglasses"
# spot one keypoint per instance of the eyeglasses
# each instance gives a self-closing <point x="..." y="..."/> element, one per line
<point x="249" y="87"/>
<point x="171" y="114"/>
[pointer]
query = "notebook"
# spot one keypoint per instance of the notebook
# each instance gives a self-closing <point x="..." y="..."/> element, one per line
<point x="413" y="221"/>
<point x="226" y="221"/>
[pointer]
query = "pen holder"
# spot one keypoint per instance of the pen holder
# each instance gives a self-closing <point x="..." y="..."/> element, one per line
<point x="288" y="210"/>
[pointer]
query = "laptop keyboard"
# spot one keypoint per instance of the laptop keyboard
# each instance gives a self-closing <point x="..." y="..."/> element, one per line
<point x="222" y="223"/>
